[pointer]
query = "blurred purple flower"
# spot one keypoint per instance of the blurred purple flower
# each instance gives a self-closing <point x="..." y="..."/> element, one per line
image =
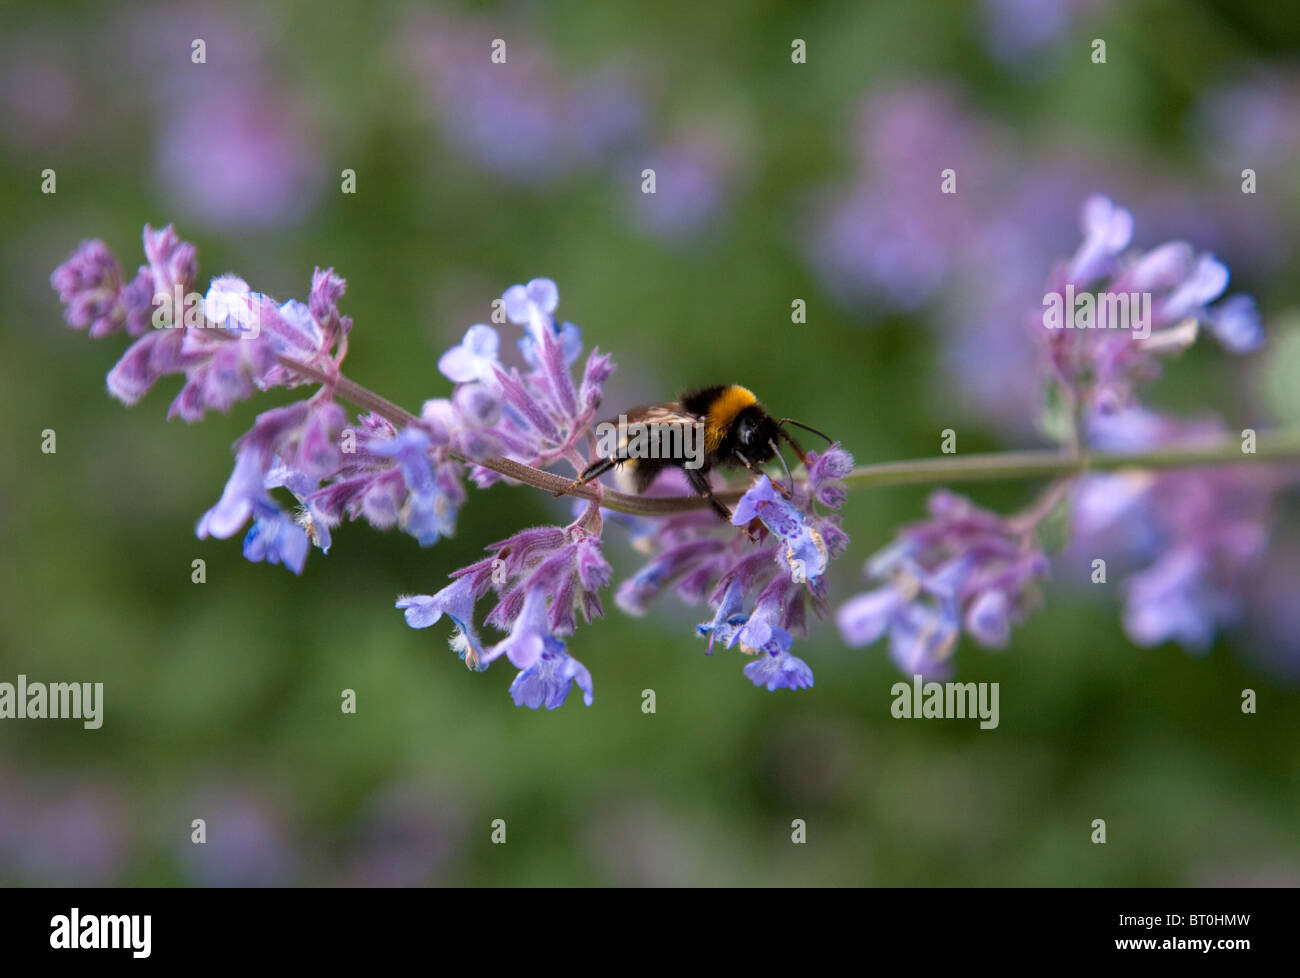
<point x="475" y="358"/>
<point x="1099" y="367"/>
<point x="888" y="239"/>
<point x="43" y="101"/>
<point x="891" y="238"/>
<point x="234" y="147"/>
<point x="406" y="835"/>
<point x="60" y="837"/>
<point x="695" y="174"/>
<point x="241" y="157"/>
<point x="1272" y="612"/>
<point x="1018" y="30"/>
<point x="89" y="284"/>
<point x="966" y="567"/>
<point x="1252" y="122"/>
<point x="1196" y="535"/>
<point x="522" y="117"/>
<point x="248" y="840"/>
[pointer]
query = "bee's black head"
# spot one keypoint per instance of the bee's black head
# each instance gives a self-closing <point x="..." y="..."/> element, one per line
<point x="756" y="435"/>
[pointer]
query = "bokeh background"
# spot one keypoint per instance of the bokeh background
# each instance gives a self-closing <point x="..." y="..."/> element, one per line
<point x="775" y="181"/>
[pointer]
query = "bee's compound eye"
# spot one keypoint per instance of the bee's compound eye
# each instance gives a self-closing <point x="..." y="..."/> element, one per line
<point x="746" y="431"/>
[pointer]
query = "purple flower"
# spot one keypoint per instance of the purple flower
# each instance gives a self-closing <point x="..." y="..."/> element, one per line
<point x="292" y="447"/>
<point x="702" y="560"/>
<point x="327" y="289"/>
<point x="529" y="634"/>
<point x="564" y="564"/>
<point x="598" y="370"/>
<point x="1107" y="231"/>
<point x="1100" y="363"/>
<point x="761" y="632"/>
<point x="522" y="117"/>
<point x="407" y="834"/>
<point x="863" y="619"/>
<point x="825" y="472"/>
<point x="243" y="489"/>
<point x="543" y="576"/>
<point x="922" y="638"/>
<point x="923" y="623"/>
<point x="805" y="551"/>
<point x="474" y="359"/>
<point x="239" y="157"/>
<point x="226" y="346"/>
<point x="456" y="601"/>
<point x="1236" y="324"/>
<point x="429" y="510"/>
<point x="889" y="238"/>
<point x="532" y="306"/>
<point x="236" y="340"/>
<point x="1195" y="537"/>
<point x="478" y="405"/>
<point x="965" y="567"/>
<point x="727" y="620"/>
<point x="548" y="680"/>
<point x="171" y="261"/>
<point x="1171" y="600"/>
<point x="62" y="830"/>
<point x="988" y="619"/>
<point x="220" y="378"/>
<point x="275" y="538"/>
<point x="542" y="415"/>
<point x="779" y="671"/>
<point x="693" y="174"/>
<point x="1252" y="121"/>
<point x="249" y="840"/>
<point x="89" y="284"/>
<point x="1016" y="30"/>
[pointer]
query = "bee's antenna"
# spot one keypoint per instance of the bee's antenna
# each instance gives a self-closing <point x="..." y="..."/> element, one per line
<point x="785" y="421"/>
<point x="777" y="451"/>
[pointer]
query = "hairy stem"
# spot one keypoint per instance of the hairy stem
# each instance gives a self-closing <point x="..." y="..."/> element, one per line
<point x="993" y="466"/>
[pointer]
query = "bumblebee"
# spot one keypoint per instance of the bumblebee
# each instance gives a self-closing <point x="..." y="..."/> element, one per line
<point x="721" y="425"/>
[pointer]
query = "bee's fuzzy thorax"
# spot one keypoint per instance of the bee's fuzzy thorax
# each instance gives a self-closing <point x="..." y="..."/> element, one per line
<point x="723" y="410"/>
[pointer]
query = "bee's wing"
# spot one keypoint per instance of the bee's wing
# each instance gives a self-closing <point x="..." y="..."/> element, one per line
<point x="664" y="413"/>
<point x="667" y="412"/>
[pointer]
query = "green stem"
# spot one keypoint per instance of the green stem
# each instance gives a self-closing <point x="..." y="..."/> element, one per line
<point x="1270" y="447"/>
<point x="993" y="466"/>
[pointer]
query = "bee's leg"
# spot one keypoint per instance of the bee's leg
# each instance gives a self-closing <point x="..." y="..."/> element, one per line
<point x="754" y="470"/>
<point x="700" y="483"/>
<point x="593" y="471"/>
